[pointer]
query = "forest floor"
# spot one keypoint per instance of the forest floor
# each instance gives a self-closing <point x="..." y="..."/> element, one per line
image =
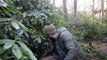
<point x="100" y="45"/>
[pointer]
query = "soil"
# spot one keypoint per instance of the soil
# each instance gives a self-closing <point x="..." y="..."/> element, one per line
<point x="100" y="45"/>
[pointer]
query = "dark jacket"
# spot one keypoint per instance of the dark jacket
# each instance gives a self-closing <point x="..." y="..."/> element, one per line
<point x="67" y="46"/>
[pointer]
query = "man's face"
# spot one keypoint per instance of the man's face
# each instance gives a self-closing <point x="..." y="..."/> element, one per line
<point x="53" y="36"/>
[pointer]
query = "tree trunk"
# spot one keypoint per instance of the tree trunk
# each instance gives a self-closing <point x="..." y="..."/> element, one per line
<point x="102" y="5"/>
<point x="54" y="3"/>
<point x="93" y="8"/>
<point x="65" y="10"/>
<point x="102" y="9"/>
<point x="75" y="8"/>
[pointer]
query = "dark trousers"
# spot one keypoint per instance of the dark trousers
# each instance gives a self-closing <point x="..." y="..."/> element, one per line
<point x="51" y="58"/>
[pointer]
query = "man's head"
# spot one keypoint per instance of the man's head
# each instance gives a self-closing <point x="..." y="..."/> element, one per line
<point x="50" y="30"/>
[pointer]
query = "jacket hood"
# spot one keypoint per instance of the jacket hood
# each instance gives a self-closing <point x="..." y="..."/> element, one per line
<point x="60" y="30"/>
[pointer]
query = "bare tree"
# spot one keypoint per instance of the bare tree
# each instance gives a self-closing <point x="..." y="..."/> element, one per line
<point x="65" y="10"/>
<point x="93" y="8"/>
<point x="75" y="7"/>
<point x="54" y="3"/>
<point x="106" y="3"/>
<point x="102" y="11"/>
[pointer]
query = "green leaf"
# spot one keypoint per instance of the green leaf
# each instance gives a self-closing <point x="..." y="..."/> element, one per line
<point x="39" y="40"/>
<point x="1" y="58"/>
<point x="8" y="44"/>
<point x="26" y="34"/>
<point x="21" y="32"/>
<point x="1" y="50"/>
<point x="6" y="12"/>
<point x="3" y="41"/>
<point x="16" y="51"/>
<point x="13" y="8"/>
<point x="15" y="25"/>
<point x="24" y="14"/>
<point x="2" y="3"/>
<point x="29" y="52"/>
<point x="22" y="26"/>
<point x="5" y="19"/>
<point x="23" y="45"/>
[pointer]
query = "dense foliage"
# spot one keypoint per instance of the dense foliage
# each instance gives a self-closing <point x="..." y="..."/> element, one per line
<point x="85" y="27"/>
<point x="21" y="23"/>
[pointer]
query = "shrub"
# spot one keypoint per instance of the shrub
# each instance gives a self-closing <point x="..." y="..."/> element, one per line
<point x="22" y="21"/>
<point x="84" y="27"/>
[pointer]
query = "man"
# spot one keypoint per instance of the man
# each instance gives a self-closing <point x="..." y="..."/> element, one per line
<point x="64" y="44"/>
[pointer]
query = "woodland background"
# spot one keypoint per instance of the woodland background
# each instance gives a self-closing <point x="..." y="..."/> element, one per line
<point x="22" y="21"/>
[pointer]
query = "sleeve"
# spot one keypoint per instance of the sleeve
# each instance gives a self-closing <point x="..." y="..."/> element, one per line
<point x="70" y="44"/>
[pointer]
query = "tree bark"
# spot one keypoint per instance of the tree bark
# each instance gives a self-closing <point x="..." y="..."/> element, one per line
<point x="102" y="9"/>
<point x="93" y="8"/>
<point x="54" y="3"/>
<point x="102" y="16"/>
<point x="65" y="10"/>
<point x="75" y="8"/>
